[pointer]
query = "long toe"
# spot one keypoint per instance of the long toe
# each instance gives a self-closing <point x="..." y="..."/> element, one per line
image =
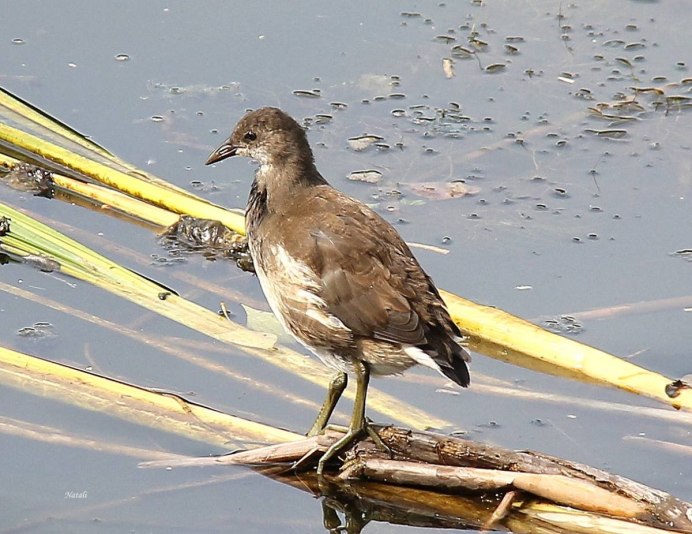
<point x="375" y="437"/>
<point x="339" y="446"/>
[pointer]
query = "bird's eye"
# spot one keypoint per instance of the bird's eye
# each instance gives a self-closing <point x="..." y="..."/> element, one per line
<point x="250" y="136"/>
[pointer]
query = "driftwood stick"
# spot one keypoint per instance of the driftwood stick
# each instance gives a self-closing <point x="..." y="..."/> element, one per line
<point x="661" y="509"/>
<point x="288" y="452"/>
<point x="560" y="489"/>
<point x="461" y="466"/>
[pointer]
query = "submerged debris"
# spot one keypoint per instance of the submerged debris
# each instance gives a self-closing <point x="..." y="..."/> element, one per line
<point x="207" y="236"/>
<point x="200" y="233"/>
<point x="674" y="388"/>
<point x="30" y="178"/>
<point x="566" y="324"/>
<point x="38" y="330"/>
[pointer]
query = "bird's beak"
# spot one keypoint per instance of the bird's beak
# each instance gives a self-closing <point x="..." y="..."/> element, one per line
<point x="226" y="150"/>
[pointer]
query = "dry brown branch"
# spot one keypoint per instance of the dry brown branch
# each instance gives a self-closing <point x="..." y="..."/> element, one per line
<point x="452" y="466"/>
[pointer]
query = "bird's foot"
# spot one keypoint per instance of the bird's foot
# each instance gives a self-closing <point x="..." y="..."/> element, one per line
<point x="375" y="437"/>
<point x="339" y="446"/>
<point x="347" y="439"/>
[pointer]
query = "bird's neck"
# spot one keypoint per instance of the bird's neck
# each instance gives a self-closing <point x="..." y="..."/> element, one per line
<point x="276" y="186"/>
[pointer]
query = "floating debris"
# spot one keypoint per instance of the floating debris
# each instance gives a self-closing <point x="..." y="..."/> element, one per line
<point x="448" y="67"/>
<point x="674" y="388"/>
<point x="684" y="253"/>
<point x="600" y="114"/>
<point x="644" y="90"/>
<point x="363" y="141"/>
<point x="42" y="263"/>
<point x="478" y="43"/>
<point x="614" y="43"/>
<point x="442" y="190"/>
<point x="38" y="330"/>
<point x="315" y="93"/>
<point x="565" y="324"/>
<point x="634" y="46"/>
<point x="462" y="52"/>
<point x="369" y="176"/>
<point x="584" y="94"/>
<point x="495" y="68"/>
<point x="28" y="177"/>
<point x="610" y="134"/>
<point x="679" y="101"/>
<point x="511" y="50"/>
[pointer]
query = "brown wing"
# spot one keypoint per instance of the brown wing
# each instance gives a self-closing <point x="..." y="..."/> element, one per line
<point x="369" y="280"/>
<point x="358" y="286"/>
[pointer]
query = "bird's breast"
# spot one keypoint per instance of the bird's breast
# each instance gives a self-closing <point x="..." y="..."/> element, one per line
<point x="293" y="291"/>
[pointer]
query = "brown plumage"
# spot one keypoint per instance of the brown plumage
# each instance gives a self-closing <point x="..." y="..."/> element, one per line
<point x="338" y="276"/>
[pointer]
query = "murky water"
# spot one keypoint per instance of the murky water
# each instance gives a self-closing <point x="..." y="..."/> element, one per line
<point x="580" y="200"/>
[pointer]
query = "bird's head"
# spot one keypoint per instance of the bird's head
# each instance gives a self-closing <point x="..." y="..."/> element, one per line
<point x="267" y="135"/>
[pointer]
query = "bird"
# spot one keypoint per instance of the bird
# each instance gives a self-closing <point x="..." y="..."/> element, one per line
<point x="338" y="277"/>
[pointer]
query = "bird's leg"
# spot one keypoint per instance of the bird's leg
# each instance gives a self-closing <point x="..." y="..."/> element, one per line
<point x="358" y="423"/>
<point x="336" y="388"/>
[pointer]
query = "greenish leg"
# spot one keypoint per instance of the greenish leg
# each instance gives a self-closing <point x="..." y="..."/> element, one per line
<point x="358" y="423"/>
<point x="336" y="388"/>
